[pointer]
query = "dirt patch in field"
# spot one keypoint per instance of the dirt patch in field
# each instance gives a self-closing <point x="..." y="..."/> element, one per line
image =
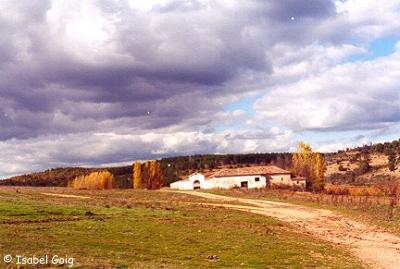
<point x="65" y="195"/>
<point x="374" y="246"/>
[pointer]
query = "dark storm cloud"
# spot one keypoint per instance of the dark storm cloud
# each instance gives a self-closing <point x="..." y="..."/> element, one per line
<point x="94" y="82"/>
<point x="172" y="61"/>
<point x="299" y="9"/>
<point x="179" y="6"/>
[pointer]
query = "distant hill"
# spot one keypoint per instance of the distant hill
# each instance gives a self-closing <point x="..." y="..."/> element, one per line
<point x="174" y="168"/>
<point x="368" y="164"/>
<point x="59" y="177"/>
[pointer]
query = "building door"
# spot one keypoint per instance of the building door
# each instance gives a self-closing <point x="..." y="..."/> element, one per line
<point x="267" y="182"/>
<point x="196" y="185"/>
<point x="244" y="184"/>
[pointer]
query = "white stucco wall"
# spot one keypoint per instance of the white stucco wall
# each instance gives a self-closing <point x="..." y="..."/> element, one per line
<point x="286" y="180"/>
<point x="281" y="179"/>
<point x="235" y="181"/>
<point x="300" y="183"/>
<point x="189" y="184"/>
<point x="181" y="185"/>
<point x="196" y="176"/>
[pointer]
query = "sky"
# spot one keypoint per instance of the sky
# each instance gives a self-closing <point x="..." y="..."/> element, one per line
<point x="107" y="82"/>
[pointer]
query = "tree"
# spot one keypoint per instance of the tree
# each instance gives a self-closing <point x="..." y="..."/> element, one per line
<point x="364" y="166"/>
<point x="148" y="175"/>
<point x="302" y="160"/>
<point x="145" y="184"/>
<point x="392" y="158"/>
<point x="310" y="165"/>
<point x="137" y="175"/>
<point x="152" y="175"/>
<point x="159" y="176"/>
<point x="319" y="171"/>
<point x="94" y="181"/>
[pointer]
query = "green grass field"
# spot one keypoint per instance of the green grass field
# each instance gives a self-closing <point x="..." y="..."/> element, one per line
<point x="152" y="229"/>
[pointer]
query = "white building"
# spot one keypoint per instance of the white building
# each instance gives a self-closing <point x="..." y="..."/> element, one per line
<point x="244" y="177"/>
<point x="195" y="181"/>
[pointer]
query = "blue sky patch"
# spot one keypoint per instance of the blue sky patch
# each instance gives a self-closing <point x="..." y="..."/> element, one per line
<point x="245" y="104"/>
<point x="378" y="48"/>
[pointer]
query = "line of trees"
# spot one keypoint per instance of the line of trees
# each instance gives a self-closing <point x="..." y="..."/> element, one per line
<point x="94" y="181"/>
<point x="147" y="175"/>
<point x="310" y="165"/>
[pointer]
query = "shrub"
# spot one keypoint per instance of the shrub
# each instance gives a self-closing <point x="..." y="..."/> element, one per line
<point x="337" y="189"/>
<point x="364" y="167"/>
<point x="286" y="187"/>
<point x="392" y="159"/>
<point x="94" y="181"/>
<point x="353" y="190"/>
<point x="341" y="168"/>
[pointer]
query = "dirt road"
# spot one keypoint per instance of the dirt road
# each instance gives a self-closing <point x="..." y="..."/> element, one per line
<point x="375" y="247"/>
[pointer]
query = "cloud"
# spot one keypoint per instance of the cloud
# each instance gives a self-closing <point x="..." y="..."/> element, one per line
<point x="78" y="66"/>
<point x="95" y="149"/>
<point x="357" y="14"/>
<point x="73" y="69"/>
<point x="352" y="96"/>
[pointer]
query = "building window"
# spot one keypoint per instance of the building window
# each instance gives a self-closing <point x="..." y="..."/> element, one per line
<point x="257" y="179"/>
<point x="297" y="182"/>
<point x="281" y="178"/>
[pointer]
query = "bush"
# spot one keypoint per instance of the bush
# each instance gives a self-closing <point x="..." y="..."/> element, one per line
<point x="95" y="181"/>
<point x="341" y="168"/>
<point x="392" y="159"/>
<point x="364" y="167"/>
<point x="337" y="189"/>
<point x="353" y="190"/>
<point x="286" y="187"/>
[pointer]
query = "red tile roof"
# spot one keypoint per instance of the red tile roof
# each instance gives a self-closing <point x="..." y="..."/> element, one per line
<point x="249" y="171"/>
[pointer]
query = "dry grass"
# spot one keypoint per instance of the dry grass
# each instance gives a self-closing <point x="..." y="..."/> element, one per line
<point x="382" y="210"/>
<point x="354" y="190"/>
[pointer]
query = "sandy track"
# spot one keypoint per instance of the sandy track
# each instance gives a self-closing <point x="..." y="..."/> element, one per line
<point x="65" y="195"/>
<point x="375" y="247"/>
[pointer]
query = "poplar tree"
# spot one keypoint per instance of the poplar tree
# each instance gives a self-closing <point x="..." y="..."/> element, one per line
<point x="145" y="184"/>
<point x="137" y="175"/>
<point x="319" y="171"/>
<point x="311" y="165"/>
<point x="160" y="177"/>
<point x="94" y="181"/>
<point x="153" y="175"/>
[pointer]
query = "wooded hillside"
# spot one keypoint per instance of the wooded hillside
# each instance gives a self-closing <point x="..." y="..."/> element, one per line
<point x="369" y="164"/>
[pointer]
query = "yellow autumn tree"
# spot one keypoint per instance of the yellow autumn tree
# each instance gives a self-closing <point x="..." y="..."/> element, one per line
<point x="310" y="165"/>
<point x="145" y="184"/>
<point x="319" y="171"/>
<point x="94" y="181"/>
<point x="153" y="175"/>
<point x="137" y="175"/>
<point x="159" y="176"/>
